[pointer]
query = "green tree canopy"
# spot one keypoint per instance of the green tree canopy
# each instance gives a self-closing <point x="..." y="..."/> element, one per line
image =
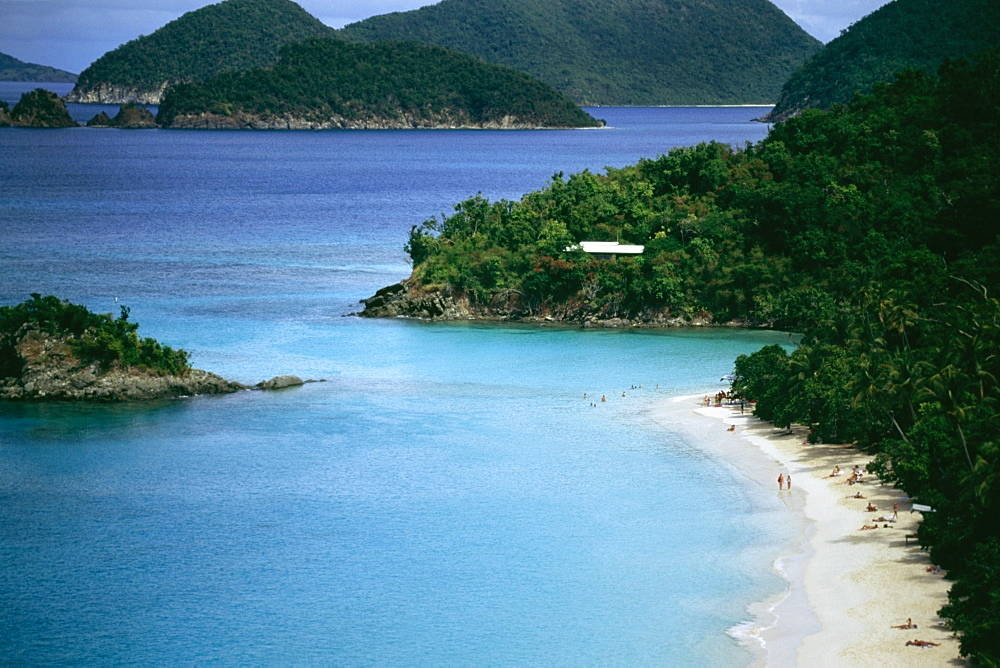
<point x="93" y="337"/>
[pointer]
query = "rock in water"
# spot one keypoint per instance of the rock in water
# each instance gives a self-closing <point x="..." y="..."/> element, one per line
<point x="49" y="371"/>
<point x="131" y="117"/>
<point x="280" y="383"/>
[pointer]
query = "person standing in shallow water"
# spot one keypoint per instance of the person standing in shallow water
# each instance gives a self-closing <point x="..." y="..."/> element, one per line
<point x="781" y="481"/>
<point x="788" y="481"/>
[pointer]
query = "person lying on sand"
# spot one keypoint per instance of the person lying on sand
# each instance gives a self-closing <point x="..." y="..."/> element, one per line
<point x="884" y="519"/>
<point x="868" y="527"/>
<point x="933" y="569"/>
<point x="922" y="643"/>
<point x="856" y="496"/>
<point x="908" y="625"/>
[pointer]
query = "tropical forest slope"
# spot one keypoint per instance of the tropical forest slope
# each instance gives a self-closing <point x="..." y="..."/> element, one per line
<point x="904" y="34"/>
<point x="12" y="69"/>
<point x="330" y="83"/>
<point x="901" y="187"/>
<point x="232" y="35"/>
<point x="628" y="52"/>
<point x="872" y="229"/>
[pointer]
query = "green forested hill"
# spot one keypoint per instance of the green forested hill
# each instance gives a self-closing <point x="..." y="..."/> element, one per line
<point x="626" y="52"/>
<point x="873" y="229"/>
<point x="12" y="69"/>
<point x="323" y="83"/>
<point x="901" y="186"/>
<point x="230" y="35"/>
<point x="901" y="35"/>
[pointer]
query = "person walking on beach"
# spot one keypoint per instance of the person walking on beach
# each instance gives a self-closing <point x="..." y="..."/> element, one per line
<point x="788" y="481"/>
<point x="781" y="481"/>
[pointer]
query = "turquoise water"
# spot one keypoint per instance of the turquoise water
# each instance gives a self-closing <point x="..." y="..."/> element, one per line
<point x="447" y="497"/>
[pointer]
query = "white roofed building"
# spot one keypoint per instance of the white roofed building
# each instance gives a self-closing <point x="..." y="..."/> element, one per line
<point x="607" y="250"/>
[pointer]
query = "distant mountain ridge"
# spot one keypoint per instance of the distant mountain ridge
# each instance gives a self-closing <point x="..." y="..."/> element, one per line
<point x="12" y="69"/>
<point x="603" y="52"/>
<point x="621" y="52"/>
<point x="233" y="35"/>
<point x="904" y="34"/>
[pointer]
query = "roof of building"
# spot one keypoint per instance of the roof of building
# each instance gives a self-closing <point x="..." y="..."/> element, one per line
<point x="610" y="247"/>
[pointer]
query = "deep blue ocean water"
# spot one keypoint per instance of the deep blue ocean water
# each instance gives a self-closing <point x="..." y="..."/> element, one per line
<point x="447" y="497"/>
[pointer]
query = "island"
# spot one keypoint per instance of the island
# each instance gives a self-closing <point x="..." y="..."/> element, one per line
<point x="233" y="35"/>
<point x="331" y="84"/>
<point x="54" y="350"/>
<point x="39" y="108"/>
<point x="13" y="69"/>
<point x="628" y="52"/>
<point x="129" y="117"/>
<point x="51" y="349"/>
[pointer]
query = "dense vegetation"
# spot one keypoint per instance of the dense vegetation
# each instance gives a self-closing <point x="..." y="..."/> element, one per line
<point x="905" y="34"/>
<point x="37" y="109"/>
<point x="323" y="79"/>
<point x="629" y="52"/>
<point x="899" y="187"/>
<point x="12" y="69"/>
<point x="229" y="36"/>
<point x="112" y="342"/>
<point x="873" y="229"/>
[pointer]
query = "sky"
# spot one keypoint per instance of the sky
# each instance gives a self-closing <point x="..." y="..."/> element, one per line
<point x="71" y="34"/>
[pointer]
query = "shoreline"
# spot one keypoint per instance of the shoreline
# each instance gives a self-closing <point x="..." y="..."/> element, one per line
<point x="846" y="587"/>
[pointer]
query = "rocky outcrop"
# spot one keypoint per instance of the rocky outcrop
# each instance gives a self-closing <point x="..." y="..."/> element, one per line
<point x="40" y="109"/>
<point x="131" y="117"/>
<point x="404" y="300"/>
<point x="408" y="300"/>
<point x="101" y="120"/>
<point x="777" y="116"/>
<point x="245" y="121"/>
<point x="105" y="93"/>
<point x="89" y="384"/>
<point x="38" y="366"/>
<point x="41" y="366"/>
<point x="280" y="383"/>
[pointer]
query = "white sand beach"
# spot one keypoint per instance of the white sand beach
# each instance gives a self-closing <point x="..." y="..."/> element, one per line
<point x="848" y="587"/>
